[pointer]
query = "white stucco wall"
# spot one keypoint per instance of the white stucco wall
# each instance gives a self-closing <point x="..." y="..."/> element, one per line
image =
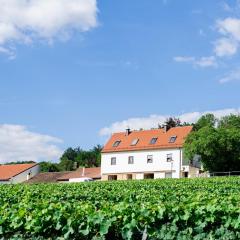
<point x="22" y="177"/>
<point x="140" y="166"/>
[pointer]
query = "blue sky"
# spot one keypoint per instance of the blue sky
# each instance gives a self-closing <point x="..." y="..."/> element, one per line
<point x="71" y="82"/>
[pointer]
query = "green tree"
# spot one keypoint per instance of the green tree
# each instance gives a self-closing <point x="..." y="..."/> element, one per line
<point x="230" y="121"/>
<point x="172" y="122"/>
<point x="49" y="167"/>
<point x="218" y="146"/>
<point x="206" y="120"/>
<point x="77" y="157"/>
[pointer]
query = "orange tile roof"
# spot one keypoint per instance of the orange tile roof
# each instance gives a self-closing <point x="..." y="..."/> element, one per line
<point x="94" y="173"/>
<point x="145" y="137"/>
<point x="9" y="171"/>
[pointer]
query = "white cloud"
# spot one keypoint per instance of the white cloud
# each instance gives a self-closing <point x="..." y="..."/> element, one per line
<point x="184" y="59"/>
<point x="200" y="62"/>
<point x="9" y="52"/>
<point x="206" y="62"/>
<point x="153" y="120"/>
<point x="17" y="143"/>
<point x="25" y="21"/>
<point x="225" y="47"/>
<point x="229" y="27"/>
<point x="231" y="76"/>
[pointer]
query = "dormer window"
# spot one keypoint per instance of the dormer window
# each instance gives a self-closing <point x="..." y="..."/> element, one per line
<point x="134" y="142"/>
<point x="116" y="144"/>
<point x="172" y="139"/>
<point x="153" y="140"/>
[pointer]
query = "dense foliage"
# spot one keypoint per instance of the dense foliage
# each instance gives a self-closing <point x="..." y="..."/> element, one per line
<point x="148" y="209"/>
<point x="217" y="141"/>
<point x="74" y="158"/>
<point x="173" y="122"/>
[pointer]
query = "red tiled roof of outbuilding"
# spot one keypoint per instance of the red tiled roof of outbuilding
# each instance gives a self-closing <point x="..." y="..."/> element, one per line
<point x="9" y="171"/>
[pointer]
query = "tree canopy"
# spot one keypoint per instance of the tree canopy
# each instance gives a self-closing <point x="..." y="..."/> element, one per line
<point x="217" y="141"/>
<point x="173" y="122"/>
<point x="73" y="158"/>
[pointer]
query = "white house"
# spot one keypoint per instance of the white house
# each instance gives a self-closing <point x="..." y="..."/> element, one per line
<point x="17" y="173"/>
<point x="156" y="153"/>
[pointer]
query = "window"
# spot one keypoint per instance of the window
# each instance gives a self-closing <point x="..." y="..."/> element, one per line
<point x="148" y="176"/>
<point x="116" y="144"/>
<point x="153" y="140"/>
<point x="172" y="139"/>
<point x="150" y="159"/>
<point x="129" y="177"/>
<point x="112" y="177"/>
<point x="169" y="157"/>
<point x="130" y="160"/>
<point x="134" y="142"/>
<point x="113" y="161"/>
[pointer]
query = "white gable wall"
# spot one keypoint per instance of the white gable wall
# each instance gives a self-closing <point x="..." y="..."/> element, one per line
<point x="24" y="176"/>
<point x="140" y="166"/>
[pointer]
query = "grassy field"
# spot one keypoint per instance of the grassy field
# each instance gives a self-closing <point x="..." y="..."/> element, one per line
<point x="148" y="209"/>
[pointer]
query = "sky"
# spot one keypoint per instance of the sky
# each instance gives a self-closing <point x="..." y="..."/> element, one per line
<point x="74" y="71"/>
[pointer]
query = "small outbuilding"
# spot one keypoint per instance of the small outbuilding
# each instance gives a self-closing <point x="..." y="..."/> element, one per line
<point x="18" y="173"/>
<point x="82" y="175"/>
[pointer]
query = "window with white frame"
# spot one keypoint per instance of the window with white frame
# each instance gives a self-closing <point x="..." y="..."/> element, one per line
<point x="149" y="158"/>
<point x="169" y="157"/>
<point x="153" y="140"/>
<point x="172" y="139"/>
<point x="113" y="161"/>
<point x="134" y="142"/>
<point x="116" y="143"/>
<point x="130" y="160"/>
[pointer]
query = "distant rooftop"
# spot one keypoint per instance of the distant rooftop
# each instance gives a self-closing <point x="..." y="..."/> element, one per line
<point x="12" y="170"/>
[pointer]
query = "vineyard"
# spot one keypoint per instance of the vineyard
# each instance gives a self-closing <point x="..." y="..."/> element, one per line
<point x="148" y="209"/>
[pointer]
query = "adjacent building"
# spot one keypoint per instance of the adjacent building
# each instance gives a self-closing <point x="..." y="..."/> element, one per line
<point x="80" y="175"/>
<point x="17" y="173"/>
<point x="156" y="153"/>
<point x="47" y="177"/>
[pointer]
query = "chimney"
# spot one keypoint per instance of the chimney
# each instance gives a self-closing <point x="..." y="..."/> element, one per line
<point x="165" y="128"/>
<point x="128" y="131"/>
<point x="83" y="171"/>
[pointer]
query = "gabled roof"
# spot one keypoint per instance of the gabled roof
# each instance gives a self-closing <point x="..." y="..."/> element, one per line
<point x="145" y="137"/>
<point x="94" y="173"/>
<point x="9" y="171"/>
<point x="47" y="177"/>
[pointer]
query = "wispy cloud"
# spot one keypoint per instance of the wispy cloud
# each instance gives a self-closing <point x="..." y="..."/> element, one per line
<point x="226" y="6"/>
<point x="200" y="62"/>
<point x="231" y="76"/>
<point x="17" y="143"/>
<point x="27" y="21"/>
<point x="9" y="52"/>
<point x="153" y="120"/>
<point x="225" y="47"/>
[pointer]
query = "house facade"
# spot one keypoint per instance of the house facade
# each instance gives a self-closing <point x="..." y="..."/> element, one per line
<point x="156" y="153"/>
<point x="18" y="173"/>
